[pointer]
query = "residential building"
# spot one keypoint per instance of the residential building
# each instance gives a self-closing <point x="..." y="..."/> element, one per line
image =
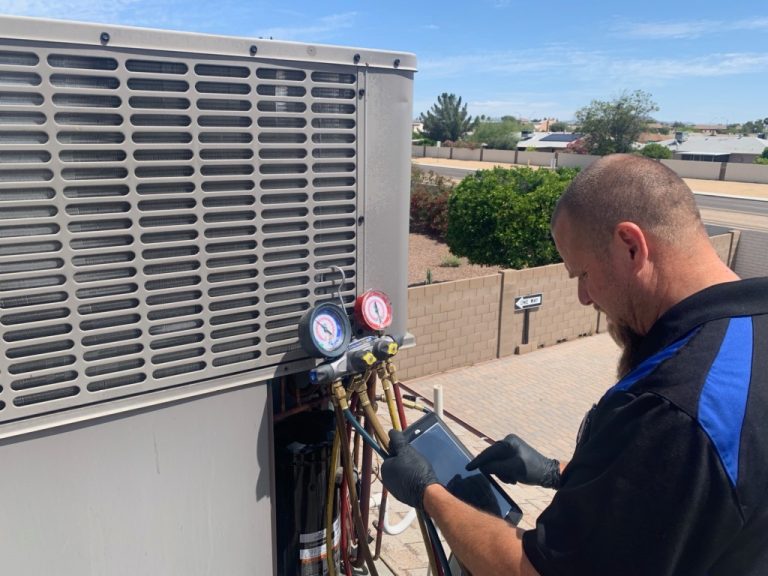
<point x="548" y="141"/>
<point x="739" y="148"/>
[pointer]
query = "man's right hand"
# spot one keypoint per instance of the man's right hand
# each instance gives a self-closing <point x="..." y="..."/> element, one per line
<point x="512" y="460"/>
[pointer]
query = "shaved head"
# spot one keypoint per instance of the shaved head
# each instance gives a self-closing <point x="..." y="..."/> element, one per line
<point x="629" y="188"/>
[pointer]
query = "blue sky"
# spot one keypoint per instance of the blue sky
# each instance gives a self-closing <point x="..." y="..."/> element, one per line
<point x="701" y="61"/>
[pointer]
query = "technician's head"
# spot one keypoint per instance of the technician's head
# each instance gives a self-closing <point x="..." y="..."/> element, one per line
<point x="615" y="224"/>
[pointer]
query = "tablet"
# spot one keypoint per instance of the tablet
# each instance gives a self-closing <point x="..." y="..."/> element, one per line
<point x="449" y="458"/>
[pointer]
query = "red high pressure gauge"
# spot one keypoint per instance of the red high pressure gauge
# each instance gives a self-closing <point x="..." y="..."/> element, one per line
<point x="373" y="310"/>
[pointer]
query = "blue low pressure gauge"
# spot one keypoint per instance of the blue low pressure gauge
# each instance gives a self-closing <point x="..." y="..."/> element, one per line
<point x="325" y="331"/>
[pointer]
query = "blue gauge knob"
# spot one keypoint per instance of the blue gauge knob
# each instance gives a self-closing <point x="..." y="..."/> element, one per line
<point x="325" y="331"/>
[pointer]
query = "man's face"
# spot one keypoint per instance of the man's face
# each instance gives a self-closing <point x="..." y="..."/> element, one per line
<point x="600" y="284"/>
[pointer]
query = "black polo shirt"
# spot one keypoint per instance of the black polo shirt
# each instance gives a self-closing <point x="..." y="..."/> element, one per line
<point x="670" y="474"/>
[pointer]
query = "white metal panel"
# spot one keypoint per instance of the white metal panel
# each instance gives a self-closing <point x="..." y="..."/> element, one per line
<point x="180" y="491"/>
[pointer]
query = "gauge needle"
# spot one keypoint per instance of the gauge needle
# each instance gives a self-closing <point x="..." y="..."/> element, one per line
<point x="376" y="309"/>
<point x="326" y="330"/>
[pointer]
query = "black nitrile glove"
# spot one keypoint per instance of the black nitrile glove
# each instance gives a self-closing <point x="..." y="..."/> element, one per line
<point x="512" y="460"/>
<point x="406" y="473"/>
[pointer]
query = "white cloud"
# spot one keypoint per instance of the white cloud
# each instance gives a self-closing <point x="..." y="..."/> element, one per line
<point x="325" y="27"/>
<point x="568" y="65"/>
<point x="431" y="27"/>
<point x="686" y="30"/>
<point x="711" y="66"/>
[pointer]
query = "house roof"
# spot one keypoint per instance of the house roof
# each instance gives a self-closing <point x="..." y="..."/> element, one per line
<point x="699" y="144"/>
<point x="548" y="140"/>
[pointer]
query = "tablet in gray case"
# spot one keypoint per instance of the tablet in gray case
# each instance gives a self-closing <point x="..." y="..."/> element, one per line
<point x="449" y="457"/>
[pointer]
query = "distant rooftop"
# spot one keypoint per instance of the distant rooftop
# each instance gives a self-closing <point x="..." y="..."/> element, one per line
<point x="561" y="137"/>
<point x="548" y="140"/>
<point x="698" y="144"/>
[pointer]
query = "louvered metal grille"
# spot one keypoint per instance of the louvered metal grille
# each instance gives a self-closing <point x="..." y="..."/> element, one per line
<point x="164" y="220"/>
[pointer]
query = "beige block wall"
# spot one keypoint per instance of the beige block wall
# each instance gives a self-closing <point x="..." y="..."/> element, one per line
<point x="725" y="245"/>
<point x="469" y="321"/>
<point x="560" y="317"/>
<point x="455" y="324"/>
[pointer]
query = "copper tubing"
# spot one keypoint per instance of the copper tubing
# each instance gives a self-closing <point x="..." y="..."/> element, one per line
<point x="406" y="403"/>
<point x="296" y="409"/>
<point x="362" y="535"/>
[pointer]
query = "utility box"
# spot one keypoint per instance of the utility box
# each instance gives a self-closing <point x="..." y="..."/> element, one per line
<point x="170" y="205"/>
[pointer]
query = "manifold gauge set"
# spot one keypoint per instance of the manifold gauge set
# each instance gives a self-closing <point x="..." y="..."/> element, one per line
<point x="325" y="331"/>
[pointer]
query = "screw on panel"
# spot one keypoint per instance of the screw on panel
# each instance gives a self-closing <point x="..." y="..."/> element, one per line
<point x="104" y="37"/>
<point x="397" y="62"/>
<point x="356" y="58"/>
<point x="360" y="93"/>
<point x="360" y="220"/>
<point x="254" y="49"/>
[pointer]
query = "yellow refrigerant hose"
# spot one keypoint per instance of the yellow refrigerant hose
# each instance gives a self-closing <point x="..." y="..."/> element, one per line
<point x="386" y="385"/>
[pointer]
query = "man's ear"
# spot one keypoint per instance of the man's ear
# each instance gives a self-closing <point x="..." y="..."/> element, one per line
<point x="631" y="241"/>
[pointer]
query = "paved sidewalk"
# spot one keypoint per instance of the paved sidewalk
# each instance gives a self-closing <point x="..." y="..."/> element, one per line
<point x="541" y="396"/>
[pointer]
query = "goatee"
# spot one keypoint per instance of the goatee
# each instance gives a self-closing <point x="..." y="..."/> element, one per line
<point x="629" y="342"/>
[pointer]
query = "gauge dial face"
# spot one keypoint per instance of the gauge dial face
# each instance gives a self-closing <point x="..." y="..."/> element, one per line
<point x="328" y="331"/>
<point x="376" y="310"/>
<point x="324" y="331"/>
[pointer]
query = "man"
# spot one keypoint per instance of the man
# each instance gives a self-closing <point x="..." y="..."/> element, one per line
<point x="670" y="471"/>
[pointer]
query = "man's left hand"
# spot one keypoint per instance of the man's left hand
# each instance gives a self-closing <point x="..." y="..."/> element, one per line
<point x="406" y="473"/>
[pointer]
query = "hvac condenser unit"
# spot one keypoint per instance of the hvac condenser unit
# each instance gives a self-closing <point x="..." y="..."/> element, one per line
<point x="170" y="205"/>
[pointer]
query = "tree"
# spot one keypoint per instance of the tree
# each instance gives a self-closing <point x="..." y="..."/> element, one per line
<point x="752" y="127"/>
<point x="500" y="217"/>
<point x="497" y="134"/>
<point x="656" y="150"/>
<point x="613" y="126"/>
<point x="763" y="158"/>
<point x="447" y="120"/>
<point x="558" y="127"/>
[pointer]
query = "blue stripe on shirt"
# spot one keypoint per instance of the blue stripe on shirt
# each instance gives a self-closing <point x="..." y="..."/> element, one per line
<point x="649" y="365"/>
<point x="723" y="400"/>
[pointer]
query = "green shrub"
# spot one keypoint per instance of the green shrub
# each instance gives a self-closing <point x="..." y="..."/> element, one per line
<point x="429" y="203"/>
<point x="501" y="217"/>
<point x="450" y="261"/>
<point x="656" y="150"/>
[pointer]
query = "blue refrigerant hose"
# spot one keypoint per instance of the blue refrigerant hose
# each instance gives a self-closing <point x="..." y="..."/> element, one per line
<point x="366" y="437"/>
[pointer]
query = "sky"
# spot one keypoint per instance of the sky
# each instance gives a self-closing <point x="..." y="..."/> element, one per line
<point x="701" y="62"/>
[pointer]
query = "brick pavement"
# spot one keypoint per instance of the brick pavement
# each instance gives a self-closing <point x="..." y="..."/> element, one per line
<point x="541" y="396"/>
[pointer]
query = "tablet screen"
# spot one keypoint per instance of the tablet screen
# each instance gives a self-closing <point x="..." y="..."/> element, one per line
<point x="448" y="456"/>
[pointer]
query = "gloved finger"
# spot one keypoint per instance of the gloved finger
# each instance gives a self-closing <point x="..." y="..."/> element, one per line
<point x="496" y="451"/>
<point x="397" y="442"/>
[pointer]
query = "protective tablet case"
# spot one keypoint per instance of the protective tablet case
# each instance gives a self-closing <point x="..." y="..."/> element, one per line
<point x="449" y="457"/>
